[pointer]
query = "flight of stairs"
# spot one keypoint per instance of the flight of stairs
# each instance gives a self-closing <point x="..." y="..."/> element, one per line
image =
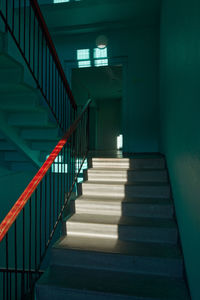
<point x="28" y="130"/>
<point x="121" y="240"/>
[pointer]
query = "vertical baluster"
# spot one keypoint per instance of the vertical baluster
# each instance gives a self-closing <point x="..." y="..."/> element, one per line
<point x="53" y="187"/>
<point x="55" y="92"/>
<point x="30" y="237"/>
<point x="29" y="55"/>
<point x="7" y="262"/>
<point x="45" y="210"/>
<point x="58" y="174"/>
<point x="58" y="98"/>
<point x="15" y="247"/>
<point x="50" y="201"/>
<point x="61" y="180"/>
<point x="13" y="15"/>
<point x="19" y="21"/>
<point x="4" y="286"/>
<point x="25" y="28"/>
<point x="23" y="251"/>
<point x="34" y="44"/>
<point x="64" y="176"/>
<point x="46" y="72"/>
<point x="49" y="83"/>
<point x="6" y="13"/>
<point x="52" y="84"/>
<point x="41" y="198"/>
<point x="38" y="60"/>
<point x="42" y="63"/>
<point x="36" y="212"/>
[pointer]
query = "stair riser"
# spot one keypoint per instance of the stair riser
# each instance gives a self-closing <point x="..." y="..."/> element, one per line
<point x="131" y="177"/>
<point x="23" y="102"/>
<point x="4" y="146"/>
<point x="126" y="209"/>
<point x="117" y="262"/>
<point x="15" y="156"/>
<point x="36" y="119"/>
<point x="10" y="76"/>
<point x="128" y="233"/>
<point x="56" y="293"/>
<point x="129" y="164"/>
<point x="42" y="146"/>
<point x="123" y="190"/>
<point x="42" y="134"/>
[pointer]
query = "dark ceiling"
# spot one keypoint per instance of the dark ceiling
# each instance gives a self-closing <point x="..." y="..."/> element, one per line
<point x="94" y="15"/>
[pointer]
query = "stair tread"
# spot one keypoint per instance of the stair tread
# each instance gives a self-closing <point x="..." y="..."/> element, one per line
<point x="106" y="245"/>
<point x="125" y="159"/>
<point x="155" y="201"/>
<point x="107" y="183"/>
<point x="122" y="220"/>
<point x="119" y="283"/>
<point x="109" y="169"/>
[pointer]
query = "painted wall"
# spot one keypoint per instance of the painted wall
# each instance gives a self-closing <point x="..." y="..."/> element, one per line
<point x="180" y="125"/>
<point x="138" y="52"/>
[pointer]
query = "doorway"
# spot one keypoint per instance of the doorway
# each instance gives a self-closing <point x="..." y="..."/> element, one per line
<point x="104" y="86"/>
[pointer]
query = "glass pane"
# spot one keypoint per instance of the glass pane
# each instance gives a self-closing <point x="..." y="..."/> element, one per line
<point x="101" y="62"/>
<point x="83" y="54"/>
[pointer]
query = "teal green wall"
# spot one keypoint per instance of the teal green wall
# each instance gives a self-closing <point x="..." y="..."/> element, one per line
<point x="180" y="122"/>
<point x="138" y="52"/>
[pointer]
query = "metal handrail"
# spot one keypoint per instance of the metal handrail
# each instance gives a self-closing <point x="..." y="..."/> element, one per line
<point x="27" y="230"/>
<point x="32" y="186"/>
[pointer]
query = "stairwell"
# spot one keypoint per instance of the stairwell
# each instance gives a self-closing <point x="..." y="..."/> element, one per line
<point x="121" y="240"/>
<point x="28" y="130"/>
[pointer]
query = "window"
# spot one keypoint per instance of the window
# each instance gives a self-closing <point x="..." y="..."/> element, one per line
<point x="83" y="57"/>
<point x="101" y="62"/>
<point x="98" y="58"/>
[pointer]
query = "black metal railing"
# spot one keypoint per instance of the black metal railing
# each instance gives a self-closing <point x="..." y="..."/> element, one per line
<point x="28" y="229"/>
<point x="24" y="22"/>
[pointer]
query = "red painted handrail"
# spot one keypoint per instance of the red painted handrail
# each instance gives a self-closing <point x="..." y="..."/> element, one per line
<point x="44" y="27"/>
<point x="25" y="196"/>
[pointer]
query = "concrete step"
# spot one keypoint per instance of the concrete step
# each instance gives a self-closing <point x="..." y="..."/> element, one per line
<point x="10" y="71"/>
<point x="22" y="166"/>
<point x="40" y="134"/>
<point x="139" y="207"/>
<point x="5" y="146"/>
<point x="120" y="256"/>
<point x="15" y="156"/>
<point x="22" y="102"/>
<point x="2" y="42"/>
<point x="15" y="89"/>
<point x="122" y="228"/>
<point x="126" y="176"/>
<point x="86" y="284"/>
<point x="113" y="189"/>
<point x="23" y="119"/>
<point x="43" y="145"/>
<point x="128" y="163"/>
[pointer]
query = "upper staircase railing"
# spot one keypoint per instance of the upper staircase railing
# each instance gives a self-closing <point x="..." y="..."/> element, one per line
<point x="24" y="21"/>
<point x="28" y="228"/>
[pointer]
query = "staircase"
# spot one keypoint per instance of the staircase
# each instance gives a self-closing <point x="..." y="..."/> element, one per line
<point x="28" y="131"/>
<point x="121" y="241"/>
